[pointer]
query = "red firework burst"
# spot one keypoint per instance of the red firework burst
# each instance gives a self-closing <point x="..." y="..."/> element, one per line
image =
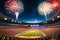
<point x="55" y="3"/>
<point x="13" y="6"/>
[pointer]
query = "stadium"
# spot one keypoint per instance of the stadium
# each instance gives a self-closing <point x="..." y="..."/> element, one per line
<point x="39" y="24"/>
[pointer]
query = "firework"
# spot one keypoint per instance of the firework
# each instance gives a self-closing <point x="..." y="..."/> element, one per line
<point x="14" y="6"/>
<point x="44" y="9"/>
<point x="55" y="3"/>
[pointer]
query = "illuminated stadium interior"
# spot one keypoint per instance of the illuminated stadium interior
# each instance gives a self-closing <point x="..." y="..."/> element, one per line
<point x="29" y="20"/>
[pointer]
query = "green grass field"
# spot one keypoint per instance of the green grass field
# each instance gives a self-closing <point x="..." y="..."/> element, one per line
<point x="31" y="33"/>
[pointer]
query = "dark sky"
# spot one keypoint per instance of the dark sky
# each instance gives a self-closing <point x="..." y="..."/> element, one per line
<point x="30" y="13"/>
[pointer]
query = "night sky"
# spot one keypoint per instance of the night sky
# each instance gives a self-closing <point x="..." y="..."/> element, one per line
<point x="30" y="13"/>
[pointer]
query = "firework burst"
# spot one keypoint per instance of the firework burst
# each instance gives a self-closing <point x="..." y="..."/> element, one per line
<point x="14" y="6"/>
<point x="44" y="9"/>
<point x="55" y="4"/>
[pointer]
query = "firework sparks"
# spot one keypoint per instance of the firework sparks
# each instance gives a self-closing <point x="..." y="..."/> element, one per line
<point x="44" y="9"/>
<point x="14" y="6"/>
<point x="55" y="3"/>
